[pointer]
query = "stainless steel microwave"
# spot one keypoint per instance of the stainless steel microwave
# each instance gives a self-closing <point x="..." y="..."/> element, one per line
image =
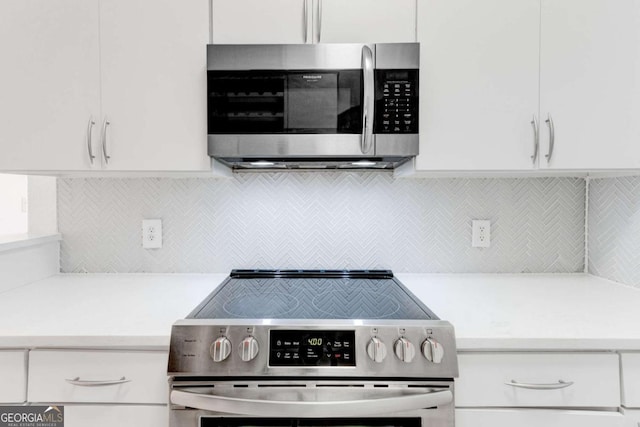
<point x="323" y="106"/>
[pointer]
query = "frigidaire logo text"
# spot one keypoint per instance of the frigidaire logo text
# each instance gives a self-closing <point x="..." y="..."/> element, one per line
<point x="312" y="77"/>
<point x="36" y="416"/>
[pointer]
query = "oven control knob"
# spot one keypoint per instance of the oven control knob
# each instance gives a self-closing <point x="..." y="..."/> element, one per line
<point x="376" y="350"/>
<point x="432" y="350"/>
<point x="405" y="350"/>
<point x="249" y="349"/>
<point x="220" y="349"/>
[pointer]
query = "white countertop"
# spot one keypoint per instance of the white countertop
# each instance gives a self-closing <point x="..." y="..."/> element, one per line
<point x="533" y="311"/>
<point x="100" y="310"/>
<point x="488" y="311"/>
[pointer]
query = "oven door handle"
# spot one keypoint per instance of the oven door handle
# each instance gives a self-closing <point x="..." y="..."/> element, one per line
<point x="314" y="408"/>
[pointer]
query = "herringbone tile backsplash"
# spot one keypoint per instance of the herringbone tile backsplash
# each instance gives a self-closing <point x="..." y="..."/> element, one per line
<point x="614" y="229"/>
<point x="322" y="220"/>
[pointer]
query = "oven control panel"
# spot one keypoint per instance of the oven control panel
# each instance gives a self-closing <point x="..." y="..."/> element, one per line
<point x="284" y="348"/>
<point x="312" y="348"/>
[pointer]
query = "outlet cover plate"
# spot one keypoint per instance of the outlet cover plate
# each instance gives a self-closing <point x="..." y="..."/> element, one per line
<point x="152" y="233"/>
<point x="481" y="233"/>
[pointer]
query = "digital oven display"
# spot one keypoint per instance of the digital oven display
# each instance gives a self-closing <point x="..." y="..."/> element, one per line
<point x="312" y="348"/>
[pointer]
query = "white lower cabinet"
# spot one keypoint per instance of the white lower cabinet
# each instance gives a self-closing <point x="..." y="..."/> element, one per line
<point x="569" y="380"/>
<point x="631" y="417"/>
<point x="630" y="363"/>
<point x="13" y="376"/>
<point x="136" y="377"/>
<point x="550" y="389"/>
<point x="116" y="415"/>
<point x="102" y="388"/>
<point x="537" y="418"/>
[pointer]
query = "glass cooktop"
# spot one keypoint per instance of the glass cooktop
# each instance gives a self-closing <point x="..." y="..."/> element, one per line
<point x="312" y="294"/>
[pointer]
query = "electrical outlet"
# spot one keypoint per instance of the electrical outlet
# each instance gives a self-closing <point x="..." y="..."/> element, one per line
<point x="151" y="233"/>
<point x="481" y="233"/>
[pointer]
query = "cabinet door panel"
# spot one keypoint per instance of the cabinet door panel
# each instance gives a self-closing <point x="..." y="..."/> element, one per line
<point x="478" y="83"/>
<point x="113" y="415"/>
<point x="365" y="21"/>
<point x="484" y="379"/>
<point x="144" y="373"/>
<point x="630" y="380"/>
<point x="590" y="82"/>
<point x="536" y="418"/>
<point x="50" y="83"/>
<point x="260" y="21"/>
<point x="631" y="417"/>
<point x="13" y="376"/>
<point x="153" y="57"/>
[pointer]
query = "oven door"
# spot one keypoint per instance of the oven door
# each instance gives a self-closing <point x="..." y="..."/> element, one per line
<point x="310" y="405"/>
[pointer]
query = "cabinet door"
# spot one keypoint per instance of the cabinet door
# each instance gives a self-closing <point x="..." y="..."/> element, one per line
<point x="478" y="84"/>
<point x="364" y="21"/>
<point x="590" y="83"/>
<point x="631" y="417"/>
<point x="50" y="83"/>
<point x="13" y="376"/>
<point x="536" y="418"/>
<point x="260" y="21"/>
<point x="630" y="363"/>
<point x="134" y="376"/>
<point x="153" y="63"/>
<point x="114" y="415"/>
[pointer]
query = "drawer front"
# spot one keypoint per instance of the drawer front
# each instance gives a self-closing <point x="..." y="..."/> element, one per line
<point x="536" y="418"/>
<point x="631" y="417"/>
<point x="98" y="376"/>
<point x="484" y="377"/>
<point x="630" y="379"/>
<point x="13" y="376"/>
<point x="115" y="415"/>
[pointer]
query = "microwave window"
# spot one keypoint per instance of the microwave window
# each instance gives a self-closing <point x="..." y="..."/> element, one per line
<point x="312" y="101"/>
<point x="317" y="101"/>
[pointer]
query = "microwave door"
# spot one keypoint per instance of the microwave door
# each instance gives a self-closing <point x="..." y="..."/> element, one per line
<point x="312" y="102"/>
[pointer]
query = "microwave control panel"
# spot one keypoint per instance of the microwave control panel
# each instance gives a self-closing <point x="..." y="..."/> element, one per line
<point x="396" y="101"/>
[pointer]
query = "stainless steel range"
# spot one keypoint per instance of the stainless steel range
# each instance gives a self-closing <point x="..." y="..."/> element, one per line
<point x="312" y="348"/>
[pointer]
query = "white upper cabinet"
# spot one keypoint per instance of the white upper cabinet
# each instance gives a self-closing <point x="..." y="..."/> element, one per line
<point x="478" y="84"/>
<point x="590" y="83"/>
<point x="313" y="21"/>
<point x="153" y="62"/>
<point x="140" y="64"/>
<point x="364" y="21"/>
<point x="261" y="21"/>
<point x="50" y="83"/>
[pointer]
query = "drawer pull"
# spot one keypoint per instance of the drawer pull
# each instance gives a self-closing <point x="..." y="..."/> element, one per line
<point x="90" y="383"/>
<point x="554" y="386"/>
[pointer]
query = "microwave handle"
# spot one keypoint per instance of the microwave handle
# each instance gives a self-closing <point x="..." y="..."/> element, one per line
<point x="368" y="107"/>
<point x="310" y="408"/>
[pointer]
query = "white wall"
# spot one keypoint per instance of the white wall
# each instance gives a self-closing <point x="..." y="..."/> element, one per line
<point x="43" y="216"/>
<point x="13" y="204"/>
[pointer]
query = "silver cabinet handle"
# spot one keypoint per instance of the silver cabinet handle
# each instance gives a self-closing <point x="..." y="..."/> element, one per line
<point x="89" y="147"/>
<point x="368" y="106"/>
<point x="319" y="20"/>
<point x="553" y="386"/>
<point x="91" y="383"/>
<point x="552" y="137"/>
<point x="304" y="19"/>
<point x="104" y="140"/>
<point x="256" y="405"/>
<point x="536" y="139"/>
